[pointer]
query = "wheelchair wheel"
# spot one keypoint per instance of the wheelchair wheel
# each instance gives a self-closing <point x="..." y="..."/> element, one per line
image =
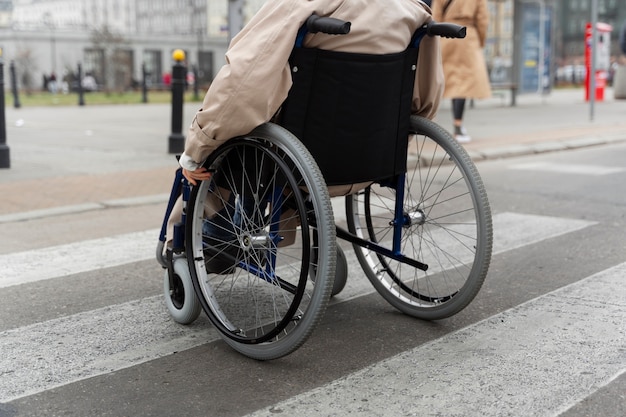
<point x="250" y="235"/>
<point x="180" y="298"/>
<point x="446" y="225"/>
<point x="341" y="272"/>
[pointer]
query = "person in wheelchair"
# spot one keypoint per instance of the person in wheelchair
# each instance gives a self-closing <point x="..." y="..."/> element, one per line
<point x="250" y="88"/>
<point x="255" y="81"/>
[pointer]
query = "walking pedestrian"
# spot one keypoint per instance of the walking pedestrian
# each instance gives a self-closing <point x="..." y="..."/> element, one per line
<point x="464" y="64"/>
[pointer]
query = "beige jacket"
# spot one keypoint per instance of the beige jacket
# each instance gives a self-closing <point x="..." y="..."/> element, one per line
<point x="255" y="81"/>
<point x="464" y="63"/>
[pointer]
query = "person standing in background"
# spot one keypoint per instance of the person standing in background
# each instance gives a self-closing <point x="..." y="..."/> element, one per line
<point x="464" y="64"/>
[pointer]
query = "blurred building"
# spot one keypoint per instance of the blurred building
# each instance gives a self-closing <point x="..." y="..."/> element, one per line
<point x="113" y="40"/>
<point x="6" y="12"/>
<point x="218" y="15"/>
<point x="499" y="47"/>
<point x="116" y="40"/>
<point x="553" y="30"/>
<point x="574" y="15"/>
<point x="117" y="15"/>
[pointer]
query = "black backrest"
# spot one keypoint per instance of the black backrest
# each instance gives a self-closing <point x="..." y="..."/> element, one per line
<point x="352" y="111"/>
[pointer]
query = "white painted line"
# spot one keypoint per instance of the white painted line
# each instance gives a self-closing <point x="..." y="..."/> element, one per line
<point x="137" y="201"/>
<point x="538" y="359"/>
<point x="567" y="168"/>
<point x="57" y="352"/>
<point x="59" y="261"/>
<point x="511" y="230"/>
<point x="514" y="230"/>
<point x="41" y="356"/>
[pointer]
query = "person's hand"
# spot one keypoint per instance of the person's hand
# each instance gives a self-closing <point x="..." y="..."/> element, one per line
<point x="200" y="174"/>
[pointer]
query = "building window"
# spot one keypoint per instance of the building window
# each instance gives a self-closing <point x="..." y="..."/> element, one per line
<point x="94" y="64"/>
<point x="152" y="61"/>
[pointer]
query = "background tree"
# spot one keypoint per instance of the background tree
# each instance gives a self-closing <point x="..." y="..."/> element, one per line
<point x="116" y="65"/>
<point x="25" y="67"/>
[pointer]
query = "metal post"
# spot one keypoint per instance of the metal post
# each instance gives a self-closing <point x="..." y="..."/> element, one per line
<point x="81" y="95"/>
<point x="5" y="160"/>
<point x="16" y="96"/>
<point x="594" y="40"/>
<point x="144" y="84"/>
<point x="176" y="142"/>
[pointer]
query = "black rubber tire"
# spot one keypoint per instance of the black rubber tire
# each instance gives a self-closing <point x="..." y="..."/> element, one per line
<point x="263" y="318"/>
<point x="447" y="225"/>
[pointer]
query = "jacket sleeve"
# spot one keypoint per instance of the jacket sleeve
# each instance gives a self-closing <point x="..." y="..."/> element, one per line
<point x="429" y="78"/>
<point x="253" y="83"/>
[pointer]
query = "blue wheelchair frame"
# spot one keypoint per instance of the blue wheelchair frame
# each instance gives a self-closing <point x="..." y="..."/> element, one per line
<point x="401" y="220"/>
<point x="182" y="187"/>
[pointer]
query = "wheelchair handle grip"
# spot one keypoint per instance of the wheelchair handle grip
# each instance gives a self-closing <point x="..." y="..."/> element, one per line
<point x="446" y="30"/>
<point x="327" y="25"/>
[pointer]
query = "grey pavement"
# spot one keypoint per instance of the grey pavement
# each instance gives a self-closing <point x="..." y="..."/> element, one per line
<point x="72" y="159"/>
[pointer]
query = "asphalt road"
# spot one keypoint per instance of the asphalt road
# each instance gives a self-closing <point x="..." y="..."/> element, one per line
<point x="84" y="331"/>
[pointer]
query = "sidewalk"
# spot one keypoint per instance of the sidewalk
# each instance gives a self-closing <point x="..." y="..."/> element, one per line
<point x="72" y="159"/>
<point x="558" y="121"/>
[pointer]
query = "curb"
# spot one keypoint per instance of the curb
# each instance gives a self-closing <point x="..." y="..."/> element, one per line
<point x="501" y="152"/>
<point x="81" y="208"/>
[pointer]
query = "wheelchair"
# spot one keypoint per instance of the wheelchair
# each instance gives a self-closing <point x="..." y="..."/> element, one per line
<point x="256" y="248"/>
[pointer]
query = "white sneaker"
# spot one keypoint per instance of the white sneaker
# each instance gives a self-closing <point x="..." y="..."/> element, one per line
<point x="460" y="134"/>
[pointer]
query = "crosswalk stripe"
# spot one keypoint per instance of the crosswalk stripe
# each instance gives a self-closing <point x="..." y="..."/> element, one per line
<point x="510" y="231"/>
<point x="45" y="355"/>
<point x="120" y="336"/>
<point x="567" y="168"/>
<point x="63" y="260"/>
<point x="73" y="258"/>
<point x="541" y="357"/>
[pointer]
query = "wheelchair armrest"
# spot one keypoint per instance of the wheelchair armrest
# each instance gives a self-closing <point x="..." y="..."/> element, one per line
<point x="446" y="30"/>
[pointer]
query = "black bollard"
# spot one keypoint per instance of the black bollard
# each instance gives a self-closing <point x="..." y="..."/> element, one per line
<point x="176" y="138"/>
<point x="81" y="95"/>
<point x="144" y="84"/>
<point x="5" y="159"/>
<point x="16" y="96"/>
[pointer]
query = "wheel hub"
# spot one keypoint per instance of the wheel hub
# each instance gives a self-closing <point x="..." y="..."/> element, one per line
<point x="415" y="217"/>
<point x="249" y="242"/>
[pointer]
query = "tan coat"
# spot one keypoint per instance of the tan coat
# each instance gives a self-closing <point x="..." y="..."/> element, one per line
<point x="255" y="81"/>
<point x="463" y="60"/>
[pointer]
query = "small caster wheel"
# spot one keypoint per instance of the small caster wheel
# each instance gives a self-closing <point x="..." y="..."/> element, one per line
<point x="341" y="272"/>
<point x="180" y="297"/>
